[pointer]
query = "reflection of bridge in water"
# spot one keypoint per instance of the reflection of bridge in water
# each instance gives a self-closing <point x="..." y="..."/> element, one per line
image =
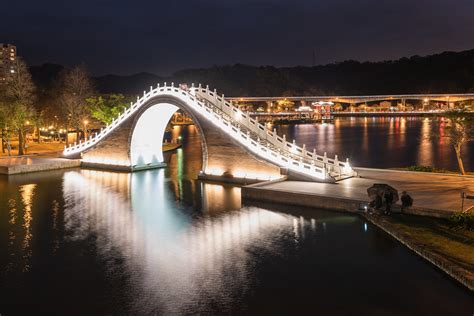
<point x="135" y="216"/>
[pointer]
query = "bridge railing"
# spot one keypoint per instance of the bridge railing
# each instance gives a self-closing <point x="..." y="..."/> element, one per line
<point x="340" y="167"/>
<point x="287" y="154"/>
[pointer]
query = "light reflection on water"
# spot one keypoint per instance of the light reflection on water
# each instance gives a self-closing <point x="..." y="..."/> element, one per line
<point x="159" y="242"/>
<point x="383" y="142"/>
<point x="175" y="260"/>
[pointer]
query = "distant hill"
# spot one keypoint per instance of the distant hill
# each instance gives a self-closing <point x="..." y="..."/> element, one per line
<point x="133" y="84"/>
<point x="45" y="75"/>
<point x="448" y="72"/>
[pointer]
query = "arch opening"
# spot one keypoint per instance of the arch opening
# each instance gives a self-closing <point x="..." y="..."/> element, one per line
<point x="146" y="146"/>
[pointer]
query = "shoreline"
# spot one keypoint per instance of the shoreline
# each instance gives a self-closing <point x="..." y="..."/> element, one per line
<point x="438" y="259"/>
<point x="423" y="228"/>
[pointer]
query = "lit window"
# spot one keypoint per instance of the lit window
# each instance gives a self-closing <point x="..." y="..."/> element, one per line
<point x="12" y="71"/>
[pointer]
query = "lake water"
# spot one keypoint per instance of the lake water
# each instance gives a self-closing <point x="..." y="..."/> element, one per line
<point x="384" y="142"/>
<point x="158" y="242"/>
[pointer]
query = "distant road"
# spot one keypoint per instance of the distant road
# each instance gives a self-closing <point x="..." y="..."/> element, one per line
<point x="382" y="114"/>
<point x="388" y="113"/>
<point x="454" y="97"/>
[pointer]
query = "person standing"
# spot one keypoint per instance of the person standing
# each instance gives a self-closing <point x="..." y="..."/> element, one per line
<point x="388" y="197"/>
<point x="407" y="200"/>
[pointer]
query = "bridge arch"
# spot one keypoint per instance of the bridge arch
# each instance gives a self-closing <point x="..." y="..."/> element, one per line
<point x="234" y="145"/>
<point x="222" y="158"/>
<point x="148" y="130"/>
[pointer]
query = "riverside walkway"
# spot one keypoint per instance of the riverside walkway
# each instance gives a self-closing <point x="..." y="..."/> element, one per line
<point x="434" y="194"/>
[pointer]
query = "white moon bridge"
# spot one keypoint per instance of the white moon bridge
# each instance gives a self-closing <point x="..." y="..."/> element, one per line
<point x="235" y="147"/>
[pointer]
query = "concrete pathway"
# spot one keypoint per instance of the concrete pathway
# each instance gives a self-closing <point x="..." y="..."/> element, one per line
<point x="429" y="191"/>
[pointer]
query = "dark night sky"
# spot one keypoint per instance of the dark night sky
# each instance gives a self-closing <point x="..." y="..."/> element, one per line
<point x="163" y="36"/>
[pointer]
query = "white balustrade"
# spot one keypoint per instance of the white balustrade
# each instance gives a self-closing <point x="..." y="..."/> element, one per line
<point x="209" y="103"/>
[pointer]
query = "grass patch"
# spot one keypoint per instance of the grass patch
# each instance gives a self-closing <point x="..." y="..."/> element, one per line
<point x="429" y="169"/>
<point x="450" y="238"/>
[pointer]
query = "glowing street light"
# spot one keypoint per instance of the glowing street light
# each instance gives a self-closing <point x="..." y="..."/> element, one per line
<point x="85" y="128"/>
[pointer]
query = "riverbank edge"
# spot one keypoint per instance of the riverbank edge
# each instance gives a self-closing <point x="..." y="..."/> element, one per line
<point x="441" y="262"/>
<point x="56" y="162"/>
<point x="47" y="165"/>
<point x="256" y="193"/>
<point x="401" y="170"/>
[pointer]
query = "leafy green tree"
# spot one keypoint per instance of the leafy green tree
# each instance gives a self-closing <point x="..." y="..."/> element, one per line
<point x="285" y="104"/>
<point x="107" y="107"/>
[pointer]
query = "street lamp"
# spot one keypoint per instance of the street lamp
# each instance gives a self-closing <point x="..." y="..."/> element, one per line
<point x="85" y="128"/>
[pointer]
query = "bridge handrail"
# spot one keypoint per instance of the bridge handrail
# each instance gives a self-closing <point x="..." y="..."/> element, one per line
<point x="280" y="142"/>
<point x="318" y="165"/>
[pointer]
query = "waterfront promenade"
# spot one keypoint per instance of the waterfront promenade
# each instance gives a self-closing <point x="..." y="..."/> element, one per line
<point x="434" y="194"/>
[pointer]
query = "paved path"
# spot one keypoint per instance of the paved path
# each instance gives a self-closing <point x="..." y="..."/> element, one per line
<point x="431" y="191"/>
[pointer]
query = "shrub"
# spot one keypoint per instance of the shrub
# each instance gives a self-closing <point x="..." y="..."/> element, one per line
<point x="462" y="220"/>
<point x="426" y="169"/>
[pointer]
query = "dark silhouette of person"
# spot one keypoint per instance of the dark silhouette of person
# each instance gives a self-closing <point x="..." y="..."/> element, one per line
<point x="377" y="202"/>
<point x="407" y="200"/>
<point x="388" y="197"/>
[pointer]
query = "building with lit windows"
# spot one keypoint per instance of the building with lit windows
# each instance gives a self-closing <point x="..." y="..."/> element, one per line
<point x="7" y="61"/>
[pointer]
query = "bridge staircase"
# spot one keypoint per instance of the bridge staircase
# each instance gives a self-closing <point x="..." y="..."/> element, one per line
<point x="258" y="133"/>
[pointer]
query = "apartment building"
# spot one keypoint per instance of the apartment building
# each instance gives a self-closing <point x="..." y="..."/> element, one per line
<point x="7" y="61"/>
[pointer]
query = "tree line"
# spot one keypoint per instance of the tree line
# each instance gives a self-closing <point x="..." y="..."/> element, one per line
<point x="72" y="100"/>
<point x="71" y="103"/>
<point x="448" y="72"/>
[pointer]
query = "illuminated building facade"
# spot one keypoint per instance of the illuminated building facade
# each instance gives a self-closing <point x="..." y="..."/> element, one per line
<point x="7" y="61"/>
<point x="324" y="110"/>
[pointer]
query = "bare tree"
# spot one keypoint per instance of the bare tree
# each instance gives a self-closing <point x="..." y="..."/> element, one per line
<point x="74" y="87"/>
<point x="20" y="96"/>
<point x="459" y="130"/>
